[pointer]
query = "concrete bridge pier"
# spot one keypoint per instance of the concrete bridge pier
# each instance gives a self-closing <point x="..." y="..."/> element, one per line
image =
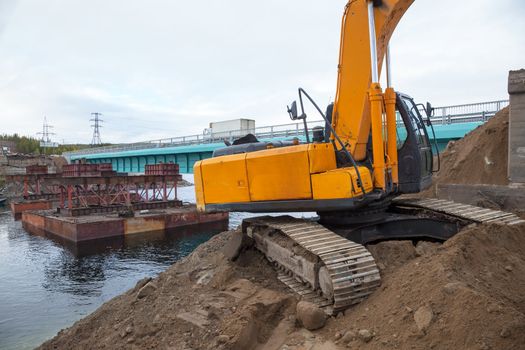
<point x="516" y="162"/>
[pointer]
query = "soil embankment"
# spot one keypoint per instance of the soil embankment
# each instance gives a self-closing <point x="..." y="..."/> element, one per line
<point x="465" y="294"/>
<point x="478" y="158"/>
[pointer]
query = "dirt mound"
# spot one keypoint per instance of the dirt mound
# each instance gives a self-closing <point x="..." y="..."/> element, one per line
<point x="480" y="157"/>
<point x="199" y="303"/>
<point x="467" y="294"/>
<point x="464" y="294"/>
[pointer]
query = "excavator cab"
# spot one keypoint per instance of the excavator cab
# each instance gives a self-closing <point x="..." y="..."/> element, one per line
<point x="413" y="146"/>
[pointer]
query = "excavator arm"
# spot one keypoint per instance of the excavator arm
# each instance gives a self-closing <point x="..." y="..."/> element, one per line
<point x="351" y="115"/>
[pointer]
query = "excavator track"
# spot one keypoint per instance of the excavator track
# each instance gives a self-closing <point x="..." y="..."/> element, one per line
<point x="463" y="211"/>
<point x="331" y="271"/>
<point x="346" y="267"/>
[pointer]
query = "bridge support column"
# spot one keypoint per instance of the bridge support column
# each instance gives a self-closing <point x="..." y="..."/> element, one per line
<point x="516" y="161"/>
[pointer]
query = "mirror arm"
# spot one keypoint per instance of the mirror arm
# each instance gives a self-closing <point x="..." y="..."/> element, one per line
<point x="303" y="117"/>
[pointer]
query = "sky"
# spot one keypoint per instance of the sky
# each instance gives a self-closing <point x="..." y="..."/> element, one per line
<point x="158" y="68"/>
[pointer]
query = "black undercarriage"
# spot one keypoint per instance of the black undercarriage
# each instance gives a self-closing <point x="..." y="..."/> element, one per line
<point x="392" y="221"/>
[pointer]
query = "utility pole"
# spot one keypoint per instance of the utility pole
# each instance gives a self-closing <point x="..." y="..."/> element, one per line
<point x="45" y="141"/>
<point x="96" y="128"/>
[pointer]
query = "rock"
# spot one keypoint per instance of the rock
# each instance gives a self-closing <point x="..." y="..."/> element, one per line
<point x="205" y="277"/>
<point x="142" y="283"/>
<point x="423" y="317"/>
<point x="365" y="335"/>
<point x="451" y="288"/>
<point x="147" y="290"/>
<point x="247" y="336"/>
<point x="310" y="315"/>
<point x="222" y="339"/>
<point x="505" y="333"/>
<point x="485" y="346"/>
<point x="348" y="337"/>
<point x="426" y="248"/>
<point x="129" y="330"/>
<point x="157" y="319"/>
<point x="508" y="268"/>
<point x="235" y="245"/>
<point x="338" y="336"/>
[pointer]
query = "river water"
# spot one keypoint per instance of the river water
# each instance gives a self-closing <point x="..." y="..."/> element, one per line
<point x="45" y="287"/>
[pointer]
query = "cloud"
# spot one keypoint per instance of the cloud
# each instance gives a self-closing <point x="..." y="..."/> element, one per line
<point x="159" y="69"/>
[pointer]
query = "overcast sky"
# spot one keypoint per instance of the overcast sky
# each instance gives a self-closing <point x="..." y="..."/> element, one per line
<point x="159" y="68"/>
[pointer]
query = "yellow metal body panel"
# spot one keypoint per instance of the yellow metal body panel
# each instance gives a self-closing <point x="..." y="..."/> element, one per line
<point x="224" y="179"/>
<point x="322" y="157"/>
<point x="279" y="174"/>
<point x="340" y="183"/>
<point x="273" y="174"/>
<point x="199" y="190"/>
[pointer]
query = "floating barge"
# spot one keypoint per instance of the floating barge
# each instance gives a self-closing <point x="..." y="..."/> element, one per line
<point x="19" y="207"/>
<point x="89" y="202"/>
<point x="97" y="226"/>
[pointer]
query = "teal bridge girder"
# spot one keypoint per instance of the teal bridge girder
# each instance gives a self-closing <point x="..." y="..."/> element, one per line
<point x="450" y="123"/>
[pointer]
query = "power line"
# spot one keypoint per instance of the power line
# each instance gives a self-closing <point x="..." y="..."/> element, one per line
<point x="96" y="128"/>
<point x="45" y="141"/>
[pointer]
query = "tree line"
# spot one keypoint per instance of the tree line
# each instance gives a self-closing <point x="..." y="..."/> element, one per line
<point x="31" y="145"/>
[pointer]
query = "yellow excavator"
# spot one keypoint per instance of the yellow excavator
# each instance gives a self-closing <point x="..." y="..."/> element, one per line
<point x="373" y="148"/>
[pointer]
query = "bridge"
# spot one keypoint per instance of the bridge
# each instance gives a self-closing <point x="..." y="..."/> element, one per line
<point x="450" y="123"/>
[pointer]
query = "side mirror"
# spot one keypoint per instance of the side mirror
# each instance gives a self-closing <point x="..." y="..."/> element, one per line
<point x="429" y="110"/>
<point x="292" y="111"/>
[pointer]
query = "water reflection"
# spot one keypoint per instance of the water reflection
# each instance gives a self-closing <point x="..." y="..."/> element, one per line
<point x="47" y="284"/>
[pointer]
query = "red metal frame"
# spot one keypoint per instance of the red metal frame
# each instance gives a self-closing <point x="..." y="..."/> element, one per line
<point x="118" y="190"/>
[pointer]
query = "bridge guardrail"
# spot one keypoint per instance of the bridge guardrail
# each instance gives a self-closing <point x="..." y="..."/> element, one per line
<point x="473" y="112"/>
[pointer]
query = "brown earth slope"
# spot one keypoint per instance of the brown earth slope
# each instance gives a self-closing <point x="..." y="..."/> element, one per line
<point x="480" y="157"/>
<point x="465" y="294"/>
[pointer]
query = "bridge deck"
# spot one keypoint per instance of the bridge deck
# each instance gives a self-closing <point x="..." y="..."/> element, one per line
<point x="450" y="123"/>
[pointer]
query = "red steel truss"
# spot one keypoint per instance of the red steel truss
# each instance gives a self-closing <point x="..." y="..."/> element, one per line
<point x="97" y="185"/>
<point x="83" y="192"/>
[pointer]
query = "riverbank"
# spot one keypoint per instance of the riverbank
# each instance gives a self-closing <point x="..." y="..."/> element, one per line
<point x="464" y="294"/>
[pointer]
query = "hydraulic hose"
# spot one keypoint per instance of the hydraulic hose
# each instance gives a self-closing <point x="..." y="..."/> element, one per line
<point x="329" y="124"/>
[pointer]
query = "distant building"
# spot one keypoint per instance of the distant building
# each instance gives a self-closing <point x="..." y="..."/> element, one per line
<point x="8" y="147"/>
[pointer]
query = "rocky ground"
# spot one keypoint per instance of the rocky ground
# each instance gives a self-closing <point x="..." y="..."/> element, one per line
<point x="464" y="294"/>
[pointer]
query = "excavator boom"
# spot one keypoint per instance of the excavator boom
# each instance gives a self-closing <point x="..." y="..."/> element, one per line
<point x="351" y="115"/>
